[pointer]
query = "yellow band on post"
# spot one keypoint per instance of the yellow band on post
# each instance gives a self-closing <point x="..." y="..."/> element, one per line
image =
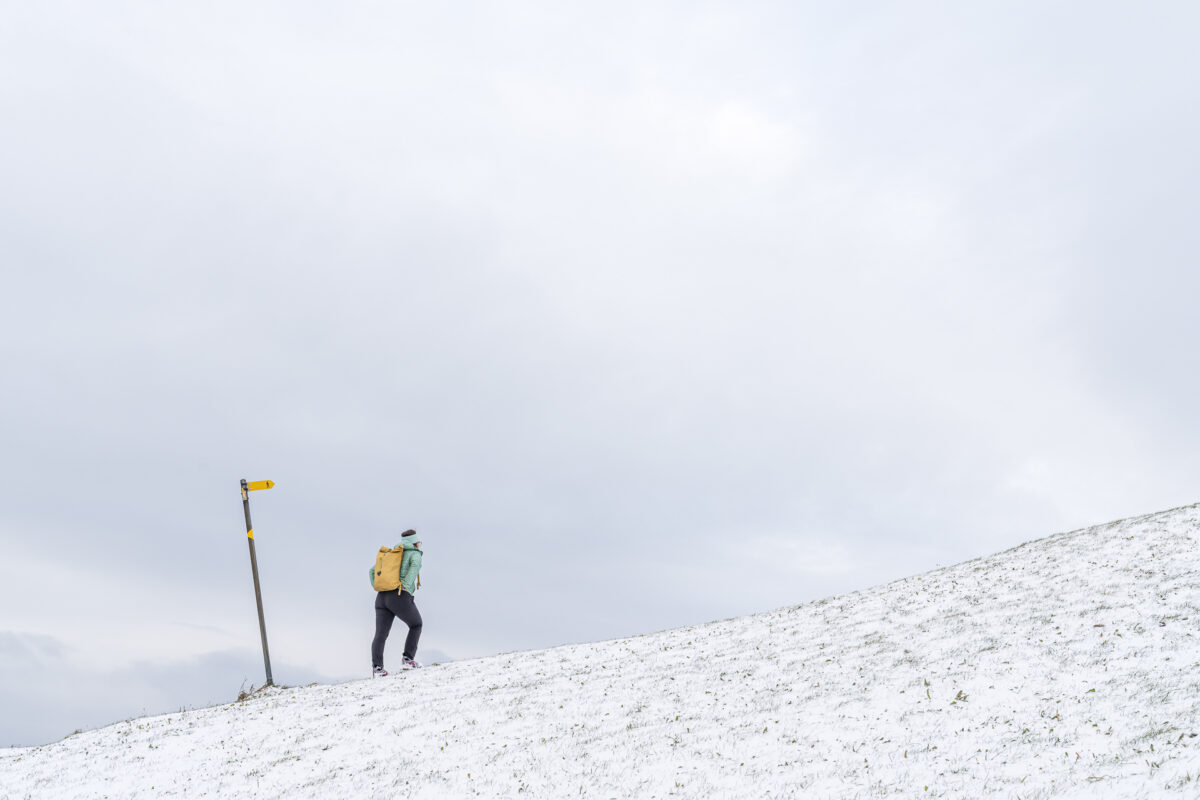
<point x="250" y="533"/>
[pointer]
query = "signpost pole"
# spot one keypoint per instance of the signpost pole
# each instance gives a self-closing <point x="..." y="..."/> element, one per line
<point x="262" y="625"/>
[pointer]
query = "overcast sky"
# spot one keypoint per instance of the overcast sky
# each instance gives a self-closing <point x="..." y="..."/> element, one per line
<point x="643" y="314"/>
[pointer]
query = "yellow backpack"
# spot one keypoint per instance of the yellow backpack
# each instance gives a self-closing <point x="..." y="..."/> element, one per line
<point x="387" y="569"/>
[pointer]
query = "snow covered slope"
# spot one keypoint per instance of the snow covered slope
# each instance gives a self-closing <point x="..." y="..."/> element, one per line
<point x="1067" y="668"/>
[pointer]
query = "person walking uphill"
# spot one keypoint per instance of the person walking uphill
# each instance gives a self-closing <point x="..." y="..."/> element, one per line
<point x="399" y="603"/>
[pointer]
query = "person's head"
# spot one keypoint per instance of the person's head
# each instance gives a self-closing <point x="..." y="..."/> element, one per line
<point x="411" y="536"/>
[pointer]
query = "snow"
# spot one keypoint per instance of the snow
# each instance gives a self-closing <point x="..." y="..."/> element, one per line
<point x="1068" y="667"/>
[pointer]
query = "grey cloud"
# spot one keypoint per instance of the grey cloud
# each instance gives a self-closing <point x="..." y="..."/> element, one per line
<point x="31" y="647"/>
<point x="32" y="692"/>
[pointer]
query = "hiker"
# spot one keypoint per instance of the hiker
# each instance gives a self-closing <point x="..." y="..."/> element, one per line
<point x="399" y="603"/>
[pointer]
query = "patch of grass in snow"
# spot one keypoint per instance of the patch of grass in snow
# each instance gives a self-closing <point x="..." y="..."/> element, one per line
<point x="1154" y="734"/>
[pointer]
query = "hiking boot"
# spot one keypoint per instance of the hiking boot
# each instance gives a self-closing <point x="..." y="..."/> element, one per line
<point x="410" y="664"/>
<point x="379" y="672"/>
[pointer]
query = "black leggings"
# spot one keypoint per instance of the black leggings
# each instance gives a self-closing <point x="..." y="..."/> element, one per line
<point x="388" y="606"/>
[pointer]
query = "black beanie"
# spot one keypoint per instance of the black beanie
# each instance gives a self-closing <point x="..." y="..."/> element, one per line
<point x="408" y="533"/>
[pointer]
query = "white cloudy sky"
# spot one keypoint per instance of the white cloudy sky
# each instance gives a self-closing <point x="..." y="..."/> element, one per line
<point x="643" y="314"/>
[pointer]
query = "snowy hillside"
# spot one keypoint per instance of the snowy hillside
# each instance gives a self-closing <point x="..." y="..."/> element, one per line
<point x="1068" y="667"/>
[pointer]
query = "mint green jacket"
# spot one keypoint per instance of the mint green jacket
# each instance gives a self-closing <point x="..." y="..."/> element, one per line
<point x="410" y="567"/>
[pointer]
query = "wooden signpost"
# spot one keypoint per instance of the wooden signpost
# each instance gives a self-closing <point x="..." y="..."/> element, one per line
<point x="254" y="486"/>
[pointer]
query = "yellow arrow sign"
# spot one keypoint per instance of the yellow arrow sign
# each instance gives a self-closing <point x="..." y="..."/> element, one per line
<point x="254" y="486"/>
